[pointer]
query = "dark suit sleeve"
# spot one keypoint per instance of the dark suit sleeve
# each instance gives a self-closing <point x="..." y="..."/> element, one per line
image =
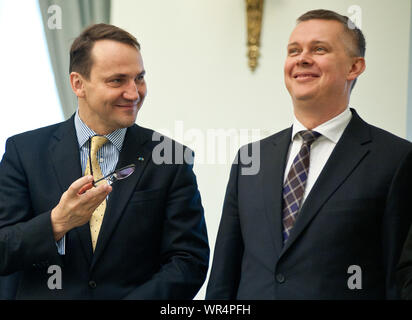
<point x="26" y="240"/>
<point x="226" y="267"/>
<point x="404" y="269"/>
<point x="184" y="249"/>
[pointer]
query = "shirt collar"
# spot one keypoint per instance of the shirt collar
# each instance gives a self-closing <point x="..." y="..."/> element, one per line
<point x="331" y="129"/>
<point x="83" y="133"/>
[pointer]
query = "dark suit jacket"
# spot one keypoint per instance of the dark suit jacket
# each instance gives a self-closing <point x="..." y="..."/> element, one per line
<point x="152" y="244"/>
<point x="354" y="215"/>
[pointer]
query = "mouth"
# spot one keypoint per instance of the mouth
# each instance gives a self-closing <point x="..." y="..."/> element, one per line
<point x="305" y="75"/>
<point x="127" y="106"/>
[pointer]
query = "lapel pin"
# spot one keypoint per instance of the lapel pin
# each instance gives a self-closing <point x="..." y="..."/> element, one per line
<point x="140" y="159"/>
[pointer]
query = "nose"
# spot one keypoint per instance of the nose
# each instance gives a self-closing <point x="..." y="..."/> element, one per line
<point x="304" y="59"/>
<point x="131" y="92"/>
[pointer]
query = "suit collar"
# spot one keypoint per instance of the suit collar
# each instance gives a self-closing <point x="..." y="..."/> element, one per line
<point x="331" y="129"/>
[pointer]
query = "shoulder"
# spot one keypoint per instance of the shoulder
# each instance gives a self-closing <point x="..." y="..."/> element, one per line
<point x="383" y="136"/>
<point x="281" y="136"/>
<point x="377" y="136"/>
<point x="36" y="137"/>
<point x="385" y="142"/>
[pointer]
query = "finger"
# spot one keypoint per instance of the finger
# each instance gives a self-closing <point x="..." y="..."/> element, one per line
<point x="85" y="187"/>
<point x="94" y="197"/>
<point x="97" y="194"/>
<point x="77" y="185"/>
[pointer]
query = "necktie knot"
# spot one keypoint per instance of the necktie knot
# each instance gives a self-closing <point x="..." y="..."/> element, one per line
<point x="309" y="136"/>
<point x="97" y="143"/>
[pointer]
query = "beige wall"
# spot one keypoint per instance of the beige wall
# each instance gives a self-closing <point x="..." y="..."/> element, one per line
<point x="194" y="53"/>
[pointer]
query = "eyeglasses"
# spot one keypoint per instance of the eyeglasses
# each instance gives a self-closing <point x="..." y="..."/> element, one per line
<point x="118" y="174"/>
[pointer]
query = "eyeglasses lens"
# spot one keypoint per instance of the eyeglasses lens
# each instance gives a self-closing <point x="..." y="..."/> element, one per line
<point x="124" y="173"/>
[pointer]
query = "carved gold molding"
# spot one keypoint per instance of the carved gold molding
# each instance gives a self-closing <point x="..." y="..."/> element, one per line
<point x="254" y="9"/>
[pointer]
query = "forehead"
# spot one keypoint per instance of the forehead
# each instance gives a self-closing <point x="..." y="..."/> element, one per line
<point x="316" y="30"/>
<point x="110" y="56"/>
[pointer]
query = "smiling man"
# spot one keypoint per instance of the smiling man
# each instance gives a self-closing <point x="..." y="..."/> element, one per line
<point x="144" y="236"/>
<point x="327" y="214"/>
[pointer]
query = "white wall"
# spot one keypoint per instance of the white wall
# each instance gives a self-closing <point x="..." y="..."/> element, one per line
<point x="194" y="53"/>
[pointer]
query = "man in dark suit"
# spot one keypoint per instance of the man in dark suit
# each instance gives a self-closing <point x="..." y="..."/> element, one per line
<point x="325" y="217"/>
<point x="143" y="237"/>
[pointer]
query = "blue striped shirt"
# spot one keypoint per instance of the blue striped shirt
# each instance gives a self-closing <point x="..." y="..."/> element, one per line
<point x="108" y="154"/>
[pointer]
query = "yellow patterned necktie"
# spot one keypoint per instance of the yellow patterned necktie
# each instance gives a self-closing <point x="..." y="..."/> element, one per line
<point x="97" y="216"/>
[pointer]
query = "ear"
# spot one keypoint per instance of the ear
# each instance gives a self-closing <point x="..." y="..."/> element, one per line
<point x="357" y="68"/>
<point x="77" y="84"/>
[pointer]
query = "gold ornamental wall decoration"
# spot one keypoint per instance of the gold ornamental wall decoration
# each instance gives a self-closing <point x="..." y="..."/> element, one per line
<point x="254" y="9"/>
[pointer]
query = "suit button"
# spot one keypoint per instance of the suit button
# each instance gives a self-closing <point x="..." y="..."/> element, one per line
<point x="92" y="284"/>
<point x="280" y="278"/>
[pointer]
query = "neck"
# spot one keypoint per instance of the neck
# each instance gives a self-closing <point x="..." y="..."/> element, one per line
<point x="312" y="115"/>
<point x="93" y="123"/>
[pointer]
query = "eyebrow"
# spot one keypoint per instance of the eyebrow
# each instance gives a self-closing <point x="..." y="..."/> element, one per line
<point x="312" y="43"/>
<point x="123" y="75"/>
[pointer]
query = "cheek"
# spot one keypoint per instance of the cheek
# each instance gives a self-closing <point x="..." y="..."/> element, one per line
<point x="287" y="69"/>
<point x="335" y="73"/>
<point x="112" y="96"/>
<point x="142" y="92"/>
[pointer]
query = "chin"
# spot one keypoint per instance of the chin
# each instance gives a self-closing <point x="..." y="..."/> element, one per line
<point x="125" y="123"/>
<point x="129" y="123"/>
<point x="303" y="97"/>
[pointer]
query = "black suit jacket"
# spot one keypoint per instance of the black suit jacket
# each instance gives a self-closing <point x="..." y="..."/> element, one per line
<point x="354" y="215"/>
<point x="152" y="243"/>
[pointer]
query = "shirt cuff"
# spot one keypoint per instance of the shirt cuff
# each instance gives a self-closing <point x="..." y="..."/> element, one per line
<point x="61" y="246"/>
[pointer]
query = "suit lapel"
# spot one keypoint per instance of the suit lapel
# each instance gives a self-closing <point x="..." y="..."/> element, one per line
<point x="348" y="153"/>
<point x="65" y="155"/>
<point x="273" y="164"/>
<point x="133" y="151"/>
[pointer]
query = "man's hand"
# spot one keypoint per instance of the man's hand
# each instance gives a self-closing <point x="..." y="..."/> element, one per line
<point x="77" y="205"/>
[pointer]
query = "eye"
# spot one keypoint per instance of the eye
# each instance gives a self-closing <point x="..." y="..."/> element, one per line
<point x="293" y="51"/>
<point x="320" y="49"/>
<point x="139" y="78"/>
<point x="116" y="81"/>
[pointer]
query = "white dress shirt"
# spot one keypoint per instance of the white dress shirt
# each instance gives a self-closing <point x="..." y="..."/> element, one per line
<point x="321" y="149"/>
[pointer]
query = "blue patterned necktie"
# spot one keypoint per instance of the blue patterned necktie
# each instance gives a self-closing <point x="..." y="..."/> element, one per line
<point x="295" y="183"/>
